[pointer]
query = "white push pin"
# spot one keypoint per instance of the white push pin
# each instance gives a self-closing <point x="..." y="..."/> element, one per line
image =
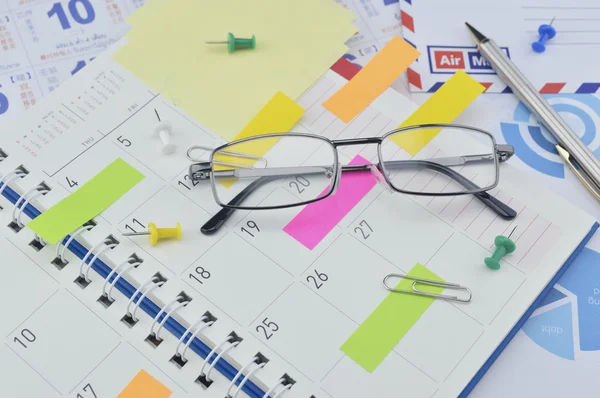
<point x="164" y="130"/>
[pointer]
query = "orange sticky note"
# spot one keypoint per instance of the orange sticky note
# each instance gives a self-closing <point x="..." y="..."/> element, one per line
<point x="372" y="80"/>
<point x="144" y="385"/>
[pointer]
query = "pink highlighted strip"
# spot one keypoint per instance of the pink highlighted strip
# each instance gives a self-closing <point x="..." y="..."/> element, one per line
<point x="317" y="219"/>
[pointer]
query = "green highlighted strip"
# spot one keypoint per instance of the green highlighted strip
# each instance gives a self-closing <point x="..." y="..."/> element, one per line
<point x="87" y="202"/>
<point x="377" y="336"/>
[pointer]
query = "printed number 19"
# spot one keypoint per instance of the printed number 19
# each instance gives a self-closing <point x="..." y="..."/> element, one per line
<point x="58" y="10"/>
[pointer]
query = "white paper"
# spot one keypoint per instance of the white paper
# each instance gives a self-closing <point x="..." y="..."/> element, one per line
<point x="568" y="62"/>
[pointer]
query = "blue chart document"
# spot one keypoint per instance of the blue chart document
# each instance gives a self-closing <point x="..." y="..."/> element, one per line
<point x="557" y="352"/>
<point x="567" y="324"/>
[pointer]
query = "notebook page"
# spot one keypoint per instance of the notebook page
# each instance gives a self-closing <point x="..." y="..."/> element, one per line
<point x="266" y="286"/>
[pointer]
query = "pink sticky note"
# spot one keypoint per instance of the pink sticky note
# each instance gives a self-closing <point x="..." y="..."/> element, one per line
<point x="317" y="219"/>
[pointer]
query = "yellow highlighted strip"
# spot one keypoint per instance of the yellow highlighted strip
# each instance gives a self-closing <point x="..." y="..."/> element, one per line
<point x="377" y="336"/>
<point x="279" y="115"/>
<point x="146" y="386"/>
<point x="442" y="107"/>
<point x="372" y="80"/>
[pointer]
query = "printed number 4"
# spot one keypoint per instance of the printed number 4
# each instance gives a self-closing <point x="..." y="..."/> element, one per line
<point x="268" y="328"/>
<point x="58" y="10"/>
<point x="72" y="183"/>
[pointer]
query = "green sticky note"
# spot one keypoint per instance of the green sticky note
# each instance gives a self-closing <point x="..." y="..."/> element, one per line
<point x="377" y="336"/>
<point x="87" y="202"/>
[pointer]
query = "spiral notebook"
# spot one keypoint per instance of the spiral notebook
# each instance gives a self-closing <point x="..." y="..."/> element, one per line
<point x="270" y="311"/>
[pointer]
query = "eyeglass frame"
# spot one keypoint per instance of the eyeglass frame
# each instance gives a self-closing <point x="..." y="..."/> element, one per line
<point x="502" y="152"/>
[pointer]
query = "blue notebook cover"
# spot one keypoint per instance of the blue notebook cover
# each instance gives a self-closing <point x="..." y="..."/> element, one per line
<point x="527" y="314"/>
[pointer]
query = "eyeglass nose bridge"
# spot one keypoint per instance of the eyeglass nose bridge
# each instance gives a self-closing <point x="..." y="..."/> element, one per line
<point x="356" y="141"/>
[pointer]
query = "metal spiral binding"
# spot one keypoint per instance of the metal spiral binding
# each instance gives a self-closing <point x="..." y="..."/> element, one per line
<point x="204" y="378"/>
<point x="10" y="177"/>
<point x="274" y="387"/>
<point x="178" y="302"/>
<point x="60" y="261"/>
<point x="258" y="361"/>
<point x="27" y="197"/>
<point x="202" y="323"/>
<point x="131" y="262"/>
<point x="83" y="280"/>
<point x="154" y="282"/>
<point x="157" y="282"/>
<point x="284" y="389"/>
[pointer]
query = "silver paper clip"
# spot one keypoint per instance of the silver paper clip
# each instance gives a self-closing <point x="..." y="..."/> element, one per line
<point x="227" y="153"/>
<point x="428" y="282"/>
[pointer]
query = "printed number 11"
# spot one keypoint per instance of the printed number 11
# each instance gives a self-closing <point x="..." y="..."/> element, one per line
<point x="58" y="10"/>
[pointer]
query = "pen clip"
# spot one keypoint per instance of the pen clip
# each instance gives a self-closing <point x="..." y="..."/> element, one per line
<point x="592" y="187"/>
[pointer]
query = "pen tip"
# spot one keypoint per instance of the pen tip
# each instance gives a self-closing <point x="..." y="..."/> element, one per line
<point x="477" y="35"/>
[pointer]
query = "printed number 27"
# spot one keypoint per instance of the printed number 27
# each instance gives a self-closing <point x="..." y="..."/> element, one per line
<point x="58" y="10"/>
<point x="364" y="228"/>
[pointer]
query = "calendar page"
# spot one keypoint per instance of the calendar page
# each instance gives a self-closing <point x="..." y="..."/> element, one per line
<point x="45" y="42"/>
<point x="257" y="288"/>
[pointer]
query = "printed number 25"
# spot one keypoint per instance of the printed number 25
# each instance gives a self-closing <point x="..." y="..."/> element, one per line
<point x="268" y="328"/>
<point x="58" y="10"/>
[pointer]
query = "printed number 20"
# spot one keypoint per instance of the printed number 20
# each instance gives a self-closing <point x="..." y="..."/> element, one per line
<point x="58" y="10"/>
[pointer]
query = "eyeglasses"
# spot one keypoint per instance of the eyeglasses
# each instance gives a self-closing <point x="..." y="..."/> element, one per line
<point x="456" y="160"/>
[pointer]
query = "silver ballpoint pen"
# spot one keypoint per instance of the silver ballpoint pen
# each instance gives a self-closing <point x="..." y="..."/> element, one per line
<point x="569" y="146"/>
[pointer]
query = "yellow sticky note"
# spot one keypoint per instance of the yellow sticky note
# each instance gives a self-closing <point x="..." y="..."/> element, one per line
<point x="372" y="80"/>
<point x="144" y="385"/>
<point x="279" y="115"/>
<point x="87" y="202"/>
<point x="224" y="91"/>
<point x="442" y="107"/>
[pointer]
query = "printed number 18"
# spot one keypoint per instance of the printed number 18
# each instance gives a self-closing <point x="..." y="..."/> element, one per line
<point x="58" y="10"/>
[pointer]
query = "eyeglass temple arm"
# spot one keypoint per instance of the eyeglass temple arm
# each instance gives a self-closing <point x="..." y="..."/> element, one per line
<point x="215" y="223"/>
<point x="503" y="210"/>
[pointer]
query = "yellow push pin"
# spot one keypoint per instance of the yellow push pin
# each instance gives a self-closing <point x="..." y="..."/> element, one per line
<point x="157" y="234"/>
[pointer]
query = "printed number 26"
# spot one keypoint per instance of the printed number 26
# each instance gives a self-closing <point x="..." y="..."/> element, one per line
<point x="58" y="10"/>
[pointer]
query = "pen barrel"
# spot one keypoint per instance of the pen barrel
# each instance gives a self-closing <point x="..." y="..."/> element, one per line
<point x="541" y="108"/>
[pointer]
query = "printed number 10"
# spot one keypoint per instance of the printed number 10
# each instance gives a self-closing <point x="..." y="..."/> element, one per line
<point x="57" y="9"/>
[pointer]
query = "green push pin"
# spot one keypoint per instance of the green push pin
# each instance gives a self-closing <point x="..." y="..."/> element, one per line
<point x="504" y="246"/>
<point x="234" y="43"/>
